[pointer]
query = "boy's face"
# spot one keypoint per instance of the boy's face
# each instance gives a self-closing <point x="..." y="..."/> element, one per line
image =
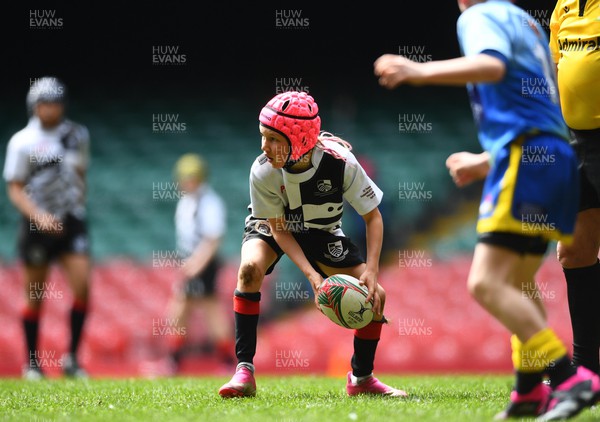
<point x="275" y="147"/>
<point x="49" y="113"/>
<point x="188" y="184"/>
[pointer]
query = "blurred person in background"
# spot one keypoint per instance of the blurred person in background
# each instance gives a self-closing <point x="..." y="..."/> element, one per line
<point x="45" y="172"/>
<point x="200" y="224"/>
<point x="575" y="47"/>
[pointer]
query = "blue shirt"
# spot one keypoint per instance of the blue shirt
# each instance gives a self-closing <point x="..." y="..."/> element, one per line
<point x="526" y="99"/>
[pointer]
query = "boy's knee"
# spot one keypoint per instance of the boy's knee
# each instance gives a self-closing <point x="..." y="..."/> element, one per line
<point x="249" y="277"/>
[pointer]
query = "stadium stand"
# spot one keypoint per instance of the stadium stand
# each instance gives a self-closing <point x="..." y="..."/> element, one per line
<point x="434" y="325"/>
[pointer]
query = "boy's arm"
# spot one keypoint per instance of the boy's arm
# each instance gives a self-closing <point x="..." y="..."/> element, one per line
<point x="374" y="229"/>
<point x="394" y="70"/>
<point x="201" y="257"/>
<point x="467" y="167"/>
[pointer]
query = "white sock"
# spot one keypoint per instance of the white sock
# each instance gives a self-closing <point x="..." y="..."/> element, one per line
<point x="245" y="364"/>
<point x="358" y="380"/>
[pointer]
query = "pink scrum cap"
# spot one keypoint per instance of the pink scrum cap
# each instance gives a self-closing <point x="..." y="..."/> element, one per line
<point x="295" y="115"/>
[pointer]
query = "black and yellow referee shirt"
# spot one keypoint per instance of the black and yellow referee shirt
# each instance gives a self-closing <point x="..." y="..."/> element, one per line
<point x="575" y="46"/>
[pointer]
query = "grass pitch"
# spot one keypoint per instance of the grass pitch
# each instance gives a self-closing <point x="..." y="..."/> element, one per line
<point x="283" y="399"/>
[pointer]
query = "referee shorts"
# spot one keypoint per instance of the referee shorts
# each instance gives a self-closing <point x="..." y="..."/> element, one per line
<point x="587" y="146"/>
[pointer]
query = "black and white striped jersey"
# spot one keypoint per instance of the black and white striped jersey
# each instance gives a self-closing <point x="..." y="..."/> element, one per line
<point x="199" y="215"/>
<point x="52" y="165"/>
<point x="315" y="197"/>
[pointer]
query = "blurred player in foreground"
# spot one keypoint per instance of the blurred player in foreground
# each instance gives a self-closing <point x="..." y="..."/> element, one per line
<point x="530" y="193"/>
<point x="45" y="170"/>
<point x="200" y="224"/>
<point x="297" y="189"/>
<point x="574" y="42"/>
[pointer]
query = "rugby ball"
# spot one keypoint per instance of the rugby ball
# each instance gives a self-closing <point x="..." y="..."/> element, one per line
<point x="342" y="299"/>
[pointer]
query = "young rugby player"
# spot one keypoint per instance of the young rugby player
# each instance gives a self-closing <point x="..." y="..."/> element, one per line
<point x="530" y="193"/>
<point x="200" y="225"/>
<point x="297" y="188"/>
<point x="45" y="170"/>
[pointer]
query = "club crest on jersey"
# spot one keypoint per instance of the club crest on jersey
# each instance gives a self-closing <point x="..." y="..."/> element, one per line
<point x="336" y="251"/>
<point x="263" y="228"/>
<point x="324" y="185"/>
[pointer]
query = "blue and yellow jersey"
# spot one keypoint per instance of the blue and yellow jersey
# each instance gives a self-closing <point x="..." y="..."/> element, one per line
<point x="526" y="99"/>
<point x="575" y="46"/>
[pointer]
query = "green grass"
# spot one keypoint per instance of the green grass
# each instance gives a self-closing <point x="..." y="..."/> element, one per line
<point x="284" y="399"/>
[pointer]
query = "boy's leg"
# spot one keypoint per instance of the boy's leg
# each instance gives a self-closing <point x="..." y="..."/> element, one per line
<point x="536" y="348"/>
<point x="77" y="267"/>
<point x="361" y="380"/>
<point x="34" y="292"/>
<point x="257" y="258"/>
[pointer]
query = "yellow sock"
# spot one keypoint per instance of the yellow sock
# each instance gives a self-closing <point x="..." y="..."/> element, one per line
<point x="540" y="351"/>
<point x="516" y="347"/>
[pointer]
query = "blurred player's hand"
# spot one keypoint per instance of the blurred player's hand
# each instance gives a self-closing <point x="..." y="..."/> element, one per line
<point x="192" y="266"/>
<point x="394" y="70"/>
<point x="466" y="167"/>
<point x="369" y="279"/>
<point x="48" y="223"/>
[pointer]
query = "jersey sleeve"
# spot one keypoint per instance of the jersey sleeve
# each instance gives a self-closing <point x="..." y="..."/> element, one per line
<point x="265" y="202"/>
<point x="16" y="165"/>
<point x="478" y="32"/>
<point x="359" y="190"/>
<point x="212" y="217"/>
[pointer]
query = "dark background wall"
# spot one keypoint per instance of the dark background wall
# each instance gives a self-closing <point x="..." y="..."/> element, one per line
<point x="236" y="58"/>
<point x="232" y="49"/>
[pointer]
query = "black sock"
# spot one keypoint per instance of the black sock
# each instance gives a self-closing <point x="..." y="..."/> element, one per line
<point x="583" y="290"/>
<point x="78" y="314"/>
<point x="526" y="381"/>
<point x="246" y="310"/>
<point x="31" y="326"/>
<point x="363" y="357"/>
<point x="559" y="370"/>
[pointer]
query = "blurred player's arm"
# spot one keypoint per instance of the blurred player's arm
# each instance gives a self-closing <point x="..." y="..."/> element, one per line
<point x="467" y="167"/>
<point x="292" y="249"/>
<point x="213" y="218"/>
<point x="42" y="220"/>
<point x="199" y="259"/>
<point x="374" y="228"/>
<point x="394" y="70"/>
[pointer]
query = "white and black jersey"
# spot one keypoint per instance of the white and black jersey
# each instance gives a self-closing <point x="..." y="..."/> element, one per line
<point x="314" y="198"/>
<point x="199" y="215"/>
<point x="52" y="165"/>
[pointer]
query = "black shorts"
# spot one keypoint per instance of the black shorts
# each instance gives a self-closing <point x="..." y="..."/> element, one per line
<point x="521" y="244"/>
<point x="258" y="228"/>
<point x="39" y="248"/>
<point x="317" y="245"/>
<point x="587" y="146"/>
<point x="203" y="284"/>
